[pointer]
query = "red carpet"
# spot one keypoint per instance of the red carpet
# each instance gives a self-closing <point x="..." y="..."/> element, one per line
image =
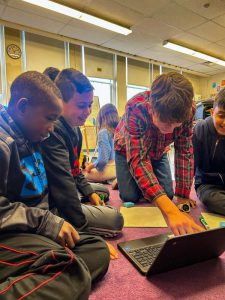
<point x="123" y="282"/>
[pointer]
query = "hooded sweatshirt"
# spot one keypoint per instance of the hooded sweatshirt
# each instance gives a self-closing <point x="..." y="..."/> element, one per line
<point x="23" y="184"/>
<point x="209" y="154"/>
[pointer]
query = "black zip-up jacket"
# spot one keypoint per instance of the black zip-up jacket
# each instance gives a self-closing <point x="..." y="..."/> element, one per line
<point x="61" y="153"/>
<point x="23" y="184"/>
<point x="209" y="154"/>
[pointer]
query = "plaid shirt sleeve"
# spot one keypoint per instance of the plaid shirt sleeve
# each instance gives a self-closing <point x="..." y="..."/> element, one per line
<point x="184" y="160"/>
<point x="136" y="151"/>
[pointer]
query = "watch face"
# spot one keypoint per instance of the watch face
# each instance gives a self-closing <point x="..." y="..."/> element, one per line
<point x="14" y="51"/>
<point x="186" y="207"/>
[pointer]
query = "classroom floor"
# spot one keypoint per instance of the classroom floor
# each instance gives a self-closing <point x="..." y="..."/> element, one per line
<point x="123" y="282"/>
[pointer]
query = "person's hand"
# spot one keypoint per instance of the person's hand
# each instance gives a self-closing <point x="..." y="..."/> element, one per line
<point x="87" y="164"/>
<point x="89" y="167"/>
<point x="182" y="223"/>
<point x="68" y="236"/>
<point x="113" y="253"/>
<point x="179" y="222"/>
<point x="190" y="202"/>
<point x="96" y="200"/>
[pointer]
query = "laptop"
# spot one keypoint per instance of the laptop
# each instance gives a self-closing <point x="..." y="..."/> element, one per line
<point x="161" y="253"/>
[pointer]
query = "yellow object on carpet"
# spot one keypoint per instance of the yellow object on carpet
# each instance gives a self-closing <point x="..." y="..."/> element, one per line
<point x="143" y="217"/>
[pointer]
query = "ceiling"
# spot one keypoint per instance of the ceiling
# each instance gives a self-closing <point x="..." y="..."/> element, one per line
<point x="199" y="24"/>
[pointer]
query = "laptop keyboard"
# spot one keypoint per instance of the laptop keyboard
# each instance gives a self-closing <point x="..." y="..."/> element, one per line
<point x="146" y="255"/>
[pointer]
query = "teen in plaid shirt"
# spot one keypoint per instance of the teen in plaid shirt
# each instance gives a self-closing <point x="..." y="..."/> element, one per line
<point x="152" y="121"/>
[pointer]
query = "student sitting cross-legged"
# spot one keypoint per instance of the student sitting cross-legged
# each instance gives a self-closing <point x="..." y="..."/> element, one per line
<point x="61" y="153"/>
<point x="42" y="256"/>
<point x="209" y="154"/>
<point x="104" y="168"/>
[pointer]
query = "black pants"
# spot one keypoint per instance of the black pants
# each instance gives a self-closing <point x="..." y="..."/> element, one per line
<point x="213" y="197"/>
<point x="34" y="267"/>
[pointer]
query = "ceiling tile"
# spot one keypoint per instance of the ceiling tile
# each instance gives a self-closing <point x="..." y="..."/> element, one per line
<point x="156" y="53"/>
<point x="213" y="72"/>
<point x="190" y="40"/>
<point x="158" y="48"/>
<point x="220" y="20"/>
<point x="76" y="4"/>
<point x="216" y="7"/>
<point x="145" y="7"/>
<point x="210" y="30"/>
<point x="156" y="28"/>
<point x="178" y="16"/>
<point x="11" y="14"/>
<point x="153" y="22"/>
<point x="216" y="50"/>
<point x="130" y="48"/>
<point x="201" y="68"/>
<point x="34" y="9"/>
<point x="218" y="67"/>
<point x="140" y="38"/>
<point x="87" y="32"/>
<point x="176" y="61"/>
<point x="192" y="59"/>
<point x="221" y="42"/>
<point x="113" y="11"/>
<point x="2" y="7"/>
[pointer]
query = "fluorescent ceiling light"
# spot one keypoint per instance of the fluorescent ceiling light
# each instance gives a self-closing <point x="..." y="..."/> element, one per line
<point x="194" y="53"/>
<point x="73" y="13"/>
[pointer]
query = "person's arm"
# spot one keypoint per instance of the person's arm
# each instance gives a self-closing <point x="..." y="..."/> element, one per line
<point x="184" y="160"/>
<point x="17" y="216"/>
<point x="179" y="222"/>
<point x="86" y="189"/>
<point x="89" y="167"/>
<point x="62" y="187"/>
<point x="104" y="150"/>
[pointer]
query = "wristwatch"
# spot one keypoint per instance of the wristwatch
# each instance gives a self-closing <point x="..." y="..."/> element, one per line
<point x="185" y="207"/>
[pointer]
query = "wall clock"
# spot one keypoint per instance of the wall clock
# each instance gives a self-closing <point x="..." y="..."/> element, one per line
<point x="14" y="51"/>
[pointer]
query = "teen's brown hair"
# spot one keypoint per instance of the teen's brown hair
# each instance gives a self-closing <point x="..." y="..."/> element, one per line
<point x="172" y="97"/>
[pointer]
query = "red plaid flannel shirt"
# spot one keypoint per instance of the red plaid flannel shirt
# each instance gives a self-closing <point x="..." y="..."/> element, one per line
<point x="141" y="141"/>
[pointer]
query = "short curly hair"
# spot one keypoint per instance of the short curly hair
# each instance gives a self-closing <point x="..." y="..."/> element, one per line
<point x="34" y="86"/>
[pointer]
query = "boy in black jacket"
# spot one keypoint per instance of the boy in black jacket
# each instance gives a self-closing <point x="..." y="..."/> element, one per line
<point x="36" y="260"/>
<point x="61" y="153"/>
<point x="209" y="154"/>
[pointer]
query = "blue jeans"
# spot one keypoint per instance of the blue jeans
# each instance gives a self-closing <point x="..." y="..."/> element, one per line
<point x="129" y="190"/>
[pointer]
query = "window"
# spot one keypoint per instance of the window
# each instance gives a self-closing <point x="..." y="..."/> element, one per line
<point x="167" y="70"/>
<point x="43" y="52"/>
<point x="138" y="77"/>
<point x="156" y="71"/>
<point x="132" y="90"/>
<point x="102" y="89"/>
